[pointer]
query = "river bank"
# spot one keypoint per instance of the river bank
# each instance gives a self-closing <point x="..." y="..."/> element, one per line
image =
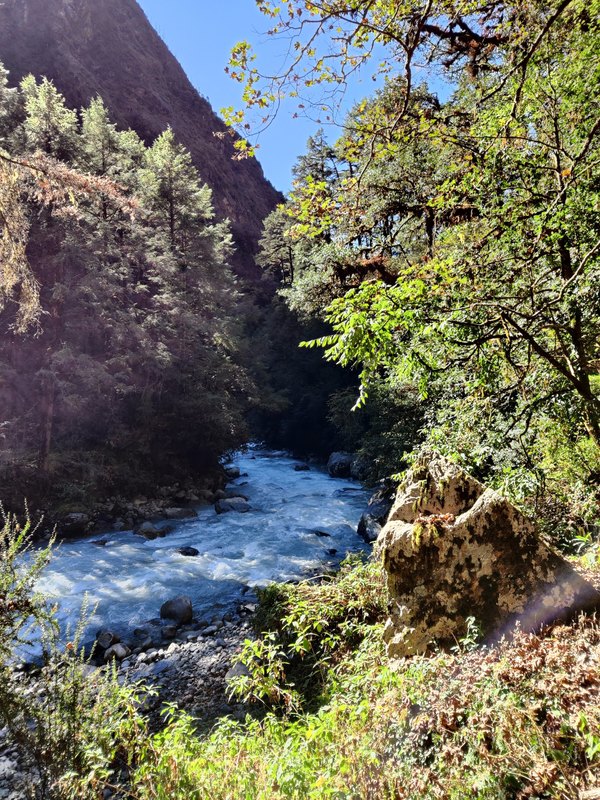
<point x="190" y="673"/>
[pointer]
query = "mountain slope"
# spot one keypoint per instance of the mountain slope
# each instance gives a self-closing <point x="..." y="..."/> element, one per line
<point x="108" y="47"/>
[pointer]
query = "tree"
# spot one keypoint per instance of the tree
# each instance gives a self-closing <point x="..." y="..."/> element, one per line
<point x="49" y="125"/>
<point x="171" y="187"/>
<point x="134" y="374"/>
<point x="482" y="211"/>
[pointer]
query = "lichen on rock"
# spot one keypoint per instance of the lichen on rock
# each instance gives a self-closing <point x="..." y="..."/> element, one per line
<point x="454" y="550"/>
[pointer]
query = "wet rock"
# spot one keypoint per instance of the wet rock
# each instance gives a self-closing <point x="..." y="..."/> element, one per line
<point x="340" y="464"/>
<point x="359" y="468"/>
<point x="188" y="551"/>
<point x="231" y="493"/>
<point x="117" y="651"/>
<point x="239" y="504"/>
<point x="321" y="534"/>
<point x="148" y="531"/>
<point x="375" y="516"/>
<point x="301" y="468"/>
<point x="178" y="609"/>
<point x="169" y="631"/>
<point x="100" y="542"/>
<point x="232" y="472"/>
<point x="179" y="513"/>
<point x="75" y="524"/>
<point x="454" y="550"/>
<point x="106" y="638"/>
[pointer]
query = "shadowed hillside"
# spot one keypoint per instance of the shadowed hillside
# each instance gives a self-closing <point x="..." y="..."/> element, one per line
<point x="108" y="47"/>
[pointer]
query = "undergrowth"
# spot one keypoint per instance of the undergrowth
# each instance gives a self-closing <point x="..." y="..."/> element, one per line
<point x="521" y="720"/>
<point x="518" y="721"/>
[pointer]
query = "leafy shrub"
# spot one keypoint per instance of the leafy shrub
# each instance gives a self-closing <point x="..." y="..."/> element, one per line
<point x="306" y="628"/>
<point x="75" y="727"/>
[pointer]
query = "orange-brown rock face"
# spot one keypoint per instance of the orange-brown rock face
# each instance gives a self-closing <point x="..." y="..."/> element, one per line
<point x="453" y="549"/>
<point x="108" y="47"/>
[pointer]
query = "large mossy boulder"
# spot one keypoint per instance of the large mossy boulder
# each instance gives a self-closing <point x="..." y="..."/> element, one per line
<point x="454" y="550"/>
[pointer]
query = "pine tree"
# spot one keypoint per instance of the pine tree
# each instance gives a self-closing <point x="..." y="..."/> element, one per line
<point x="49" y="125"/>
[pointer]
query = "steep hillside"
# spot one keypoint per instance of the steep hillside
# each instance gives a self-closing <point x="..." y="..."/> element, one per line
<point x="108" y="47"/>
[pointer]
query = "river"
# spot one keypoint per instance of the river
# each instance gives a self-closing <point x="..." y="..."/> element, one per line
<point x="126" y="580"/>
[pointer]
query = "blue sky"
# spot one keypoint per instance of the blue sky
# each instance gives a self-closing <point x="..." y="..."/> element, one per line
<point x="200" y="34"/>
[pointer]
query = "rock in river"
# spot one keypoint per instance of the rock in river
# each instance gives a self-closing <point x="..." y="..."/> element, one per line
<point x="179" y="513"/>
<point x="238" y="504"/>
<point x="340" y="464"/>
<point x="372" y="520"/>
<point x="178" y="609"/>
<point x="149" y="531"/>
<point x="188" y="551"/>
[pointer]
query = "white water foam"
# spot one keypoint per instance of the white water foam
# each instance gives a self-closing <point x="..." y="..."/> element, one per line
<point x="128" y="579"/>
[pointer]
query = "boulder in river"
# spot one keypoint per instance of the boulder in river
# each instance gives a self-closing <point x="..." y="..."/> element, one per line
<point x="375" y="516"/>
<point x="148" y="531"/>
<point x="454" y="550"/>
<point x="232" y="472"/>
<point x="188" y="551"/>
<point x="239" y="504"/>
<point x="178" y="609"/>
<point x="301" y="468"/>
<point x="179" y="513"/>
<point x="75" y="524"/>
<point x="340" y="464"/>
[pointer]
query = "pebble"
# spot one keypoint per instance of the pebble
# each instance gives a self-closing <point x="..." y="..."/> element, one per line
<point x="189" y="673"/>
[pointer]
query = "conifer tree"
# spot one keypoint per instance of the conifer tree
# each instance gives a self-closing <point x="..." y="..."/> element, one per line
<point x="49" y="125"/>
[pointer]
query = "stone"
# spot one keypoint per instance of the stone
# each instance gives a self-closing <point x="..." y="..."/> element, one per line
<point x="188" y="551"/>
<point x="118" y="652"/>
<point x="179" y="513"/>
<point x="237" y="670"/>
<point x="106" y="638"/>
<point x="340" y="464"/>
<point x="455" y="550"/>
<point x="229" y="493"/>
<point x="232" y="472"/>
<point x="375" y="516"/>
<point x="100" y="542"/>
<point x="238" y="504"/>
<point x="159" y="668"/>
<point x="359" y="468"/>
<point x="148" y="531"/>
<point x="75" y="524"/>
<point x="301" y="468"/>
<point x="169" y="631"/>
<point x="178" y="609"/>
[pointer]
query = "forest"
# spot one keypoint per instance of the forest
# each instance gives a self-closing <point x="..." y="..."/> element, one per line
<point x="430" y="289"/>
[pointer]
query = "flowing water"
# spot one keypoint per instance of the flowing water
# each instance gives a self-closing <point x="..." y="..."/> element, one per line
<point x="128" y="579"/>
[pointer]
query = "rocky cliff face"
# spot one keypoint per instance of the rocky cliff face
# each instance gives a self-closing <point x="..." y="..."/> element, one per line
<point x="108" y="47"/>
